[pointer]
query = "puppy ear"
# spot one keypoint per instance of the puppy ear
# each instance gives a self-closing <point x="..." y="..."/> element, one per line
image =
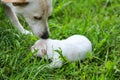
<point x="44" y="51"/>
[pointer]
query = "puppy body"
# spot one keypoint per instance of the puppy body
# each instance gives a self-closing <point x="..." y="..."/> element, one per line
<point x="73" y="48"/>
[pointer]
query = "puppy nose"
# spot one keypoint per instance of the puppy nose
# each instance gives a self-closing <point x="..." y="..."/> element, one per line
<point x="45" y="35"/>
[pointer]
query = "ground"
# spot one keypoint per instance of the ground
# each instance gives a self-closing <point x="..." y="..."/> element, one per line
<point x="99" y="20"/>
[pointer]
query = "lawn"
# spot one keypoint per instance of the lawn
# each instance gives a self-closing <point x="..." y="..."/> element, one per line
<point x="99" y="20"/>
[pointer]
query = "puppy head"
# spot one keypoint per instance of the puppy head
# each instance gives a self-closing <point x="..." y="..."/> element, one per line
<point x="40" y="47"/>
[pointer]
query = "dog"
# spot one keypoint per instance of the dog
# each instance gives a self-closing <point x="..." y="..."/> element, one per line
<point x="73" y="48"/>
<point x="35" y="12"/>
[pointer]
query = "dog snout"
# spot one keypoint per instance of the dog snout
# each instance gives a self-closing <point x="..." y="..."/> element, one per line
<point x="45" y="35"/>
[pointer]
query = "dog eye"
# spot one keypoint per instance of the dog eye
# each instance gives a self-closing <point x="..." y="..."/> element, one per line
<point x="37" y="18"/>
<point x="20" y="4"/>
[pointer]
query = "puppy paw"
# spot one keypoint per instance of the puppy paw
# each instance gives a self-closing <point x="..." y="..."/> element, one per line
<point x="56" y="64"/>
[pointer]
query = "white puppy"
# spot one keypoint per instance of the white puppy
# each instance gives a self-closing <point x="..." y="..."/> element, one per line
<point x="73" y="48"/>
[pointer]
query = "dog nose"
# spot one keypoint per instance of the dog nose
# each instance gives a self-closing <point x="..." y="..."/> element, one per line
<point x="45" y="35"/>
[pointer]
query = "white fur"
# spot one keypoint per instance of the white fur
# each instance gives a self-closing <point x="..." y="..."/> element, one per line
<point x="35" y="8"/>
<point x="73" y="48"/>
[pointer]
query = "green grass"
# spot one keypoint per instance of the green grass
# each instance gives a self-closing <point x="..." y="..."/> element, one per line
<point x="99" y="20"/>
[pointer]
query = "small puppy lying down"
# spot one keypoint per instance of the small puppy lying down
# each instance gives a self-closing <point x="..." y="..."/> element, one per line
<point x="73" y="48"/>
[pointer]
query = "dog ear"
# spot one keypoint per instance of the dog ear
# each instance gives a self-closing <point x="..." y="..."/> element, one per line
<point x="43" y="46"/>
<point x="44" y="51"/>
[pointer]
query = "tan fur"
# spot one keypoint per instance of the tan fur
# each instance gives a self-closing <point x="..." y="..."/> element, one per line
<point x="18" y="1"/>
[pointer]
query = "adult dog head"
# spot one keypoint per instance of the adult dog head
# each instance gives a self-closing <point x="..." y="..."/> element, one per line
<point x="35" y="12"/>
